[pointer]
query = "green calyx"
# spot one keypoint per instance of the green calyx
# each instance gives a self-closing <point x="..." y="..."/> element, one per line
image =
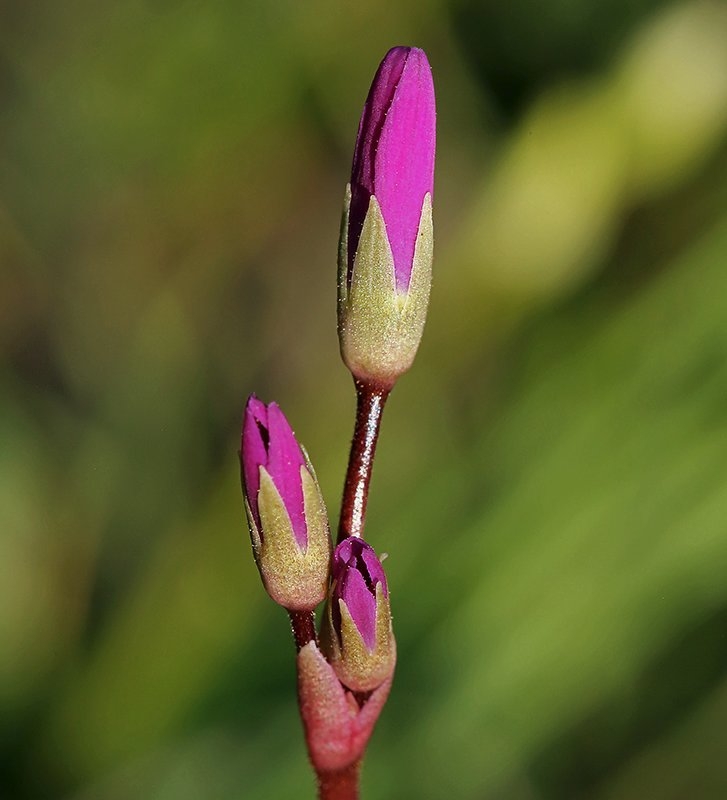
<point x="295" y="577"/>
<point x="379" y="327"/>
<point x="357" y="667"/>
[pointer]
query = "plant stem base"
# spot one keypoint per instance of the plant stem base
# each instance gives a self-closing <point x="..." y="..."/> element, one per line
<point x="341" y="785"/>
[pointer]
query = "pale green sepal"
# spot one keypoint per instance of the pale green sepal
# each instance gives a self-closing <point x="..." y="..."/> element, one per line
<point x="294" y="577"/>
<point x="416" y="300"/>
<point x="343" y="253"/>
<point x="254" y="533"/>
<point x="379" y="327"/>
<point x="319" y="550"/>
<point x="357" y="667"/>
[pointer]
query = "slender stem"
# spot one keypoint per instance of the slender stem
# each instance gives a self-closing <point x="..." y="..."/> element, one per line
<point x="303" y="624"/>
<point x="341" y="785"/>
<point x="369" y="408"/>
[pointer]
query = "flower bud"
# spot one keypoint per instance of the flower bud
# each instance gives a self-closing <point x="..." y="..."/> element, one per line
<point x="386" y="247"/>
<point x="285" y="510"/>
<point x="337" y="729"/>
<point x="357" y="634"/>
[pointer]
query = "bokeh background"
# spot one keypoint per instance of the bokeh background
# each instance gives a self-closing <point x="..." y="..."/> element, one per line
<point x="552" y="477"/>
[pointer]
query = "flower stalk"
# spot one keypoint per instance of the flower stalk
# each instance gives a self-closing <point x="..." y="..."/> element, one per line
<point x="341" y="785"/>
<point x="370" y="402"/>
<point x="303" y="627"/>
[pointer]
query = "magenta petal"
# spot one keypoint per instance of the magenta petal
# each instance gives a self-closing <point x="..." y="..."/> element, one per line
<point x="361" y="605"/>
<point x="372" y="120"/>
<point x="373" y="115"/>
<point x="394" y="155"/>
<point x="268" y="441"/>
<point x="342" y="555"/>
<point x="374" y="569"/>
<point x="405" y="161"/>
<point x="253" y="449"/>
<point x="284" y="462"/>
<point x="356" y="570"/>
<point x="355" y="553"/>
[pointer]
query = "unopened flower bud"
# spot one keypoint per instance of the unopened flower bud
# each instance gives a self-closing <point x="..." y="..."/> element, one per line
<point x="357" y="634"/>
<point x="337" y="728"/>
<point x="385" y="253"/>
<point x="285" y="510"/>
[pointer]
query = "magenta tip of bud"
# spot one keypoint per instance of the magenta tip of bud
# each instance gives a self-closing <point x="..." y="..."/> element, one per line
<point x="356" y="571"/>
<point x="394" y="154"/>
<point x="253" y="450"/>
<point x="269" y="441"/>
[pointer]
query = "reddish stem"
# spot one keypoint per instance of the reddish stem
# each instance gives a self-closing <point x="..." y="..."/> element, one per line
<point x="369" y="408"/>
<point x="303" y="624"/>
<point x="341" y="785"/>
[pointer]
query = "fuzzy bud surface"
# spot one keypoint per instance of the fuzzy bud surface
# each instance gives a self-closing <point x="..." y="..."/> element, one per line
<point x="285" y="510"/>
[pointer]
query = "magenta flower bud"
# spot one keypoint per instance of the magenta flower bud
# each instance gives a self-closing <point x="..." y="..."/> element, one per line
<point x="394" y="155"/>
<point x="268" y="441"/>
<point x="285" y="509"/>
<point x="386" y="239"/>
<point x="358" y="637"/>
<point x="356" y="572"/>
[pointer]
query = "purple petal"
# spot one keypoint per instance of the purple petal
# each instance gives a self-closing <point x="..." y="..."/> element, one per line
<point x="268" y="441"/>
<point x="405" y="161"/>
<point x="253" y="449"/>
<point x="361" y="604"/>
<point x="394" y="154"/>
<point x="284" y="462"/>
<point x="356" y="570"/>
<point x="341" y="557"/>
<point x="372" y="121"/>
<point x="369" y="562"/>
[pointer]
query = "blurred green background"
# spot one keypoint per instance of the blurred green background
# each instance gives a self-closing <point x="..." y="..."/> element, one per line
<point x="552" y="477"/>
